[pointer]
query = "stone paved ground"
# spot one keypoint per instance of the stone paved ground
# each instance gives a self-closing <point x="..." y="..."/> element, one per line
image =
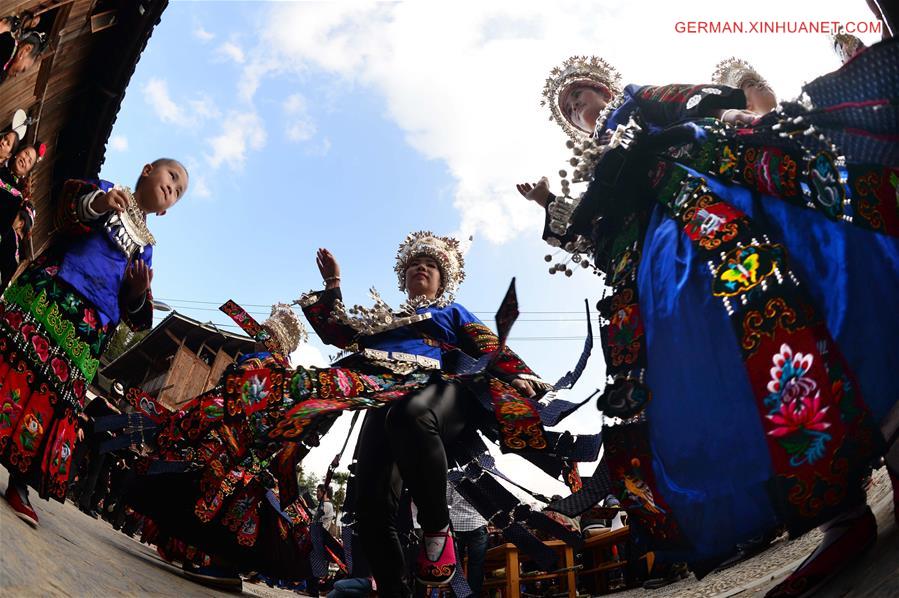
<point x="71" y="554"/>
<point x="874" y="577"/>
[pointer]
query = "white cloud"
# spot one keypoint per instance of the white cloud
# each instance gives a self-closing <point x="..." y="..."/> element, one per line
<point x="241" y="131"/>
<point x="199" y="186"/>
<point x="183" y="113"/>
<point x="203" y="35"/>
<point x="295" y="104"/>
<point x="320" y="149"/>
<point x="307" y="355"/>
<point x="231" y="51"/>
<point x="203" y="108"/>
<point x="300" y="131"/>
<point x="299" y="126"/>
<point x="118" y="143"/>
<point x="156" y="93"/>
<point x="464" y="85"/>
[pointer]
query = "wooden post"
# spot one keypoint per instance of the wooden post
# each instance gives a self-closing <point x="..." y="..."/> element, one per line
<point x="513" y="581"/>
<point x="570" y="574"/>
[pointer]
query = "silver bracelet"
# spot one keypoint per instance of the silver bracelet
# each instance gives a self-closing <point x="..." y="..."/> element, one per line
<point x="143" y="300"/>
<point x="560" y="211"/>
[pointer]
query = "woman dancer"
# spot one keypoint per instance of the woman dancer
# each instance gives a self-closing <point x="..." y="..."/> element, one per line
<point x="768" y="402"/>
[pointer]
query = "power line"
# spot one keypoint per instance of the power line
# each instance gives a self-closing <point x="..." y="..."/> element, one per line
<point x="265" y="313"/>
<point x="245" y="305"/>
<point x="512" y="338"/>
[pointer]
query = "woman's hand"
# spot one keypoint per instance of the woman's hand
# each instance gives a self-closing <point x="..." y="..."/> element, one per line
<point x="733" y="116"/>
<point x="524" y="387"/>
<point x="538" y="192"/>
<point x="328" y="267"/>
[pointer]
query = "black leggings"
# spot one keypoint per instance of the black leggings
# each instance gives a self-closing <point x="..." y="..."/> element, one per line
<point x="405" y="443"/>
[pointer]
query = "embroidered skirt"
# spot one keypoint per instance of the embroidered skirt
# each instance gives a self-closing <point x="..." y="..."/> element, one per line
<point x="50" y="343"/>
<point x="767" y="390"/>
<point x="241" y="440"/>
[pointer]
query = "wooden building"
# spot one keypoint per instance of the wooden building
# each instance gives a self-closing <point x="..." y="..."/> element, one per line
<point x="74" y="90"/>
<point x="178" y="359"/>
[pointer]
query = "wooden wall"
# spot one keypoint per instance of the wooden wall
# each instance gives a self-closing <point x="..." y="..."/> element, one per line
<point x="187" y="378"/>
<point x="47" y="90"/>
<point x="222" y="361"/>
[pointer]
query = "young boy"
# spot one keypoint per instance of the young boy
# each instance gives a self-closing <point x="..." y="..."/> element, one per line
<point x="58" y="316"/>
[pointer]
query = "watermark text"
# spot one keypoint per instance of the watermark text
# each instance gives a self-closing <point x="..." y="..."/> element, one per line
<point x="713" y="27"/>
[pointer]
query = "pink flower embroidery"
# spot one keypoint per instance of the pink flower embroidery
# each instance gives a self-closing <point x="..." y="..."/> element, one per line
<point x="60" y="369"/>
<point x="806" y="414"/>
<point x="41" y="347"/>
<point x="14" y="319"/>
<point x="26" y="330"/>
<point x="788" y="380"/>
<point x="89" y="318"/>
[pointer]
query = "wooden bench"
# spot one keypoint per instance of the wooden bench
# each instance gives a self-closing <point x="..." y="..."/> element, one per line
<point x="507" y="556"/>
<point x="599" y="546"/>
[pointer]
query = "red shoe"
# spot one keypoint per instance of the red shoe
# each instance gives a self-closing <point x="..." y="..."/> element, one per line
<point x="20" y="505"/>
<point x="440" y="570"/>
<point x="857" y="536"/>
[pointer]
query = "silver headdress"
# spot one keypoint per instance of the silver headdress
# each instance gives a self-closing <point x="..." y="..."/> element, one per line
<point x="445" y="251"/>
<point x="588" y="69"/>
<point x="735" y="72"/>
<point x="286" y="328"/>
<point x="846" y="46"/>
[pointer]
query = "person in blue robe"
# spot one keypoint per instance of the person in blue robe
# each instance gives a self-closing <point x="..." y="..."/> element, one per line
<point x="747" y="335"/>
<point x="57" y="317"/>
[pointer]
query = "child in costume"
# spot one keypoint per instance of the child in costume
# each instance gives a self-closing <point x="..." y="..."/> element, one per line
<point x="57" y="317"/>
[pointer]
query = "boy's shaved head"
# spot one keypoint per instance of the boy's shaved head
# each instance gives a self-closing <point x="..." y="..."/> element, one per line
<point x="167" y="162"/>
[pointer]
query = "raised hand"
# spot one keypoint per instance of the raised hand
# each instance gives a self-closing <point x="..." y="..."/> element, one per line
<point x="328" y="267"/>
<point x="138" y="277"/>
<point x="525" y="387"/>
<point x="733" y="116"/>
<point x="537" y="192"/>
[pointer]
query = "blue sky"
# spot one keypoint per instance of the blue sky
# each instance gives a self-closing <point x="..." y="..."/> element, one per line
<point x="347" y="125"/>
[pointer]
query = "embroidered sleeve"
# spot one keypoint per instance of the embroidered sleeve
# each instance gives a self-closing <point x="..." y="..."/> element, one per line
<point x="75" y="212"/>
<point x="83" y="209"/>
<point x="663" y="105"/>
<point x="318" y="308"/>
<point x="476" y="339"/>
